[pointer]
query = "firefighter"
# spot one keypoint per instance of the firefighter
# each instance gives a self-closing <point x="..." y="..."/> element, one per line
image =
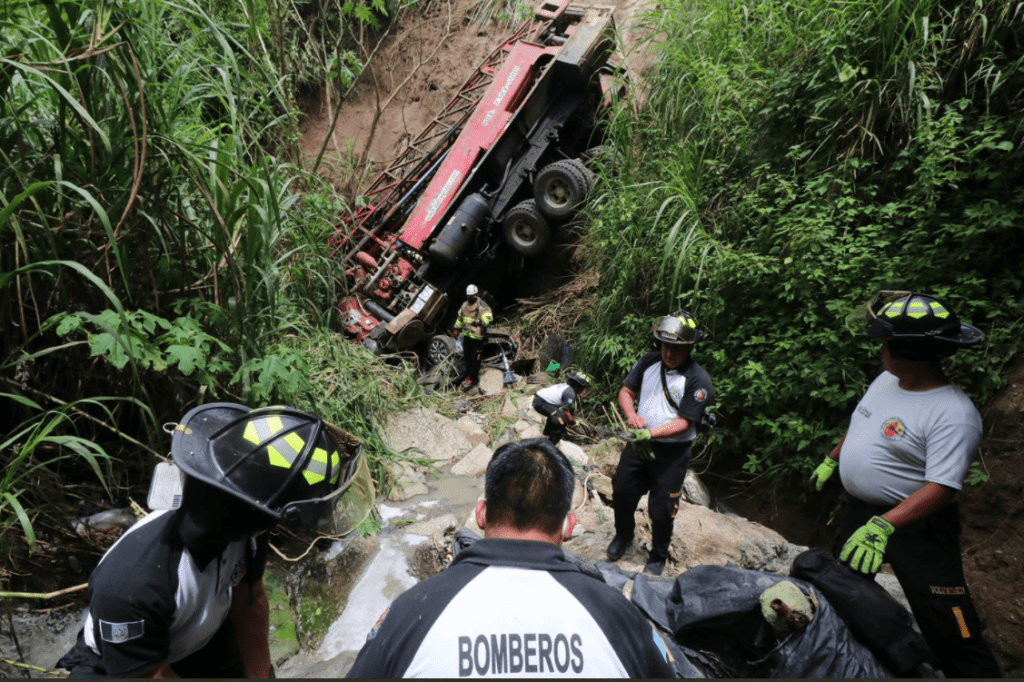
<point x="474" y="318"/>
<point x="663" y="397"/>
<point x="511" y="604"/>
<point x="903" y="458"/>
<point x="181" y="593"/>
<point x="556" y="403"/>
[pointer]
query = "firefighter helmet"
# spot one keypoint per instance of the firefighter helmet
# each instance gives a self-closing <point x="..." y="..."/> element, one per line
<point x="276" y="459"/>
<point x="678" y="328"/>
<point x="582" y="379"/>
<point x="917" y="325"/>
<point x="471" y="290"/>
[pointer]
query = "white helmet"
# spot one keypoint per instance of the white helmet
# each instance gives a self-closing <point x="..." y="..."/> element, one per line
<point x="471" y="290"/>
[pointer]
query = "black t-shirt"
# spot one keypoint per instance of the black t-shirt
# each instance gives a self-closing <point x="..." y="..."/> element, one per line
<point x="153" y="599"/>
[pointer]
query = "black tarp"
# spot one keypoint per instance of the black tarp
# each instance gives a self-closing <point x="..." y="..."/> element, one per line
<point x="715" y="610"/>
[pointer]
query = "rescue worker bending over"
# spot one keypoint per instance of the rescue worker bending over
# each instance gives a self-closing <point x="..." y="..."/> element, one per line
<point x="555" y="403"/>
<point x="904" y="457"/>
<point x="181" y="593"/>
<point x="474" y="318"/>
<point x="663" y="397"/>
<point x="511" y="604"/>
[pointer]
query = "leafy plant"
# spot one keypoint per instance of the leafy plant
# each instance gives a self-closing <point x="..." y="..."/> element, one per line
<point x="789" y="162"/>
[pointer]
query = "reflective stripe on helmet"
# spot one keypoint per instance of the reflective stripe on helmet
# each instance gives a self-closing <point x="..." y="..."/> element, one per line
<point x="938" y="310"/>
<point x="287" y="450"/>
<point x="258" y="431"/>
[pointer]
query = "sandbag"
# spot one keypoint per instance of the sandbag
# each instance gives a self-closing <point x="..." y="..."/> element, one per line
<point x="874" y="617"/>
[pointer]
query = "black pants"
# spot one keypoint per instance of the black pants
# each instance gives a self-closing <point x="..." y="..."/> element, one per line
<point x="663" y="478"/>
<point x="926" y="559"/>
<point x="472" y="350"/>
<point x="219" y="658"/>
<point x="555" y="426"/>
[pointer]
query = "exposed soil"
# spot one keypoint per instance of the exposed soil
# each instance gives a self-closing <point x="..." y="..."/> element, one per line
<point x="421" y="62"/>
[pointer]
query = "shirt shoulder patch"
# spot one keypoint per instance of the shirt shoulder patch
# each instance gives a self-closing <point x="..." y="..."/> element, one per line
<point x="700" y="395"/>
<point x="116" y="633"/>
<point x="376" y="626"/>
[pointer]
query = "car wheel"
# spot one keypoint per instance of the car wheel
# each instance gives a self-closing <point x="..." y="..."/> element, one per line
<point x="440" y="348"/>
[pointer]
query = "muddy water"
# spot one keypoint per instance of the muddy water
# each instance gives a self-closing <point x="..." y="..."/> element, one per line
<point x="387" y="575"/>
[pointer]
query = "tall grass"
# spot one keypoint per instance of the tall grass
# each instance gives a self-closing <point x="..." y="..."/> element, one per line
<point x="156" y="250"/>
<point x="791" y="160"/>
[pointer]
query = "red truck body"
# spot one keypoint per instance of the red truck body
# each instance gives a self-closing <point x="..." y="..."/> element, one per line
<point x="483" y="187"/>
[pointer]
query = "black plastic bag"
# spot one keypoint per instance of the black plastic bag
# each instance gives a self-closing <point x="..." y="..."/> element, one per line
<point x="875" y="618"/>
<point x="715" y="610"/>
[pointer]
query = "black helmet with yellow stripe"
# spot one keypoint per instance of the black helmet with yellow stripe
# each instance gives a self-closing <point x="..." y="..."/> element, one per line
<point x="276" y="459"/>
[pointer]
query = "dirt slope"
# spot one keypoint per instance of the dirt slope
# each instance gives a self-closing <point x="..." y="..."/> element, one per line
<point x="419" y="63"/>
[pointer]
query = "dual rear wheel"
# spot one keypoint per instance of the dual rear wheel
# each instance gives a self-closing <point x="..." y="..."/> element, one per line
<point x="559" y="189"/>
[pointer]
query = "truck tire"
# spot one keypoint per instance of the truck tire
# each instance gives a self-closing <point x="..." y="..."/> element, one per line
<point x="525" y="229"/>
<point x="439" y="349"/>
<point x="559" y="188"/>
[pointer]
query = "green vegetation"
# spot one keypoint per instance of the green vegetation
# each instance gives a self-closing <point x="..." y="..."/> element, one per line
<point x="160" y="244"/>
<point x="790" y="161"/>
<point x="163" y="243"/>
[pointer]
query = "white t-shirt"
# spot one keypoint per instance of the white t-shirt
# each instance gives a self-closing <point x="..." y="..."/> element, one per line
<point x="899" y="440"/>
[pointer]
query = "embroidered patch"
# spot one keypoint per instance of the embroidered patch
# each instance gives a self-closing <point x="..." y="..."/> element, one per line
<point x="376" y="626"/>
<point x="700" y="395"/>
<point x="116" y="633"/>
<point x="893" y="428"/>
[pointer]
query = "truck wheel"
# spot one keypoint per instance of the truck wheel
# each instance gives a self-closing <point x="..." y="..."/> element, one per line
<point x="525" y="229"/>
<point x="560" y="187"/>
<point x="440" y="347"/>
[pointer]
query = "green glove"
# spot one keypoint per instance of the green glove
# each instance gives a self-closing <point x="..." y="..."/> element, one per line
<point x="822" y="473"/>
<point x="642" y="443"/>
<point x="867" y="545"/>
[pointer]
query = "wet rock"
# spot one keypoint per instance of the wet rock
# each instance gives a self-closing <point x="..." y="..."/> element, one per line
<point x="320" y="588"/>
<point x="284" y="640"/>
<point x="426" y="434"/>
<point x="694" y="490"/>
<point x="434" y="529"/>
<point x="473" y="432"/>
<point x="475" y="463"/>
<point x="409" y="481"/>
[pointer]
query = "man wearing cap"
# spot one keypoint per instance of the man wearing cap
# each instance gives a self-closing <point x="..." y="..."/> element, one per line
<point x="663" y="397"/>
<point x="902" y="461"/>
<point x="474" y="318"/>
<point x="181" y="593"/>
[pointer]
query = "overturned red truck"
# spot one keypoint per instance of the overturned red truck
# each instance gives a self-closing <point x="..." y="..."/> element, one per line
<point x="483" y="188"/>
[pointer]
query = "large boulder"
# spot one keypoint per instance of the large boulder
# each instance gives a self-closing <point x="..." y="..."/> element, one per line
<point x="426" y="434"/>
